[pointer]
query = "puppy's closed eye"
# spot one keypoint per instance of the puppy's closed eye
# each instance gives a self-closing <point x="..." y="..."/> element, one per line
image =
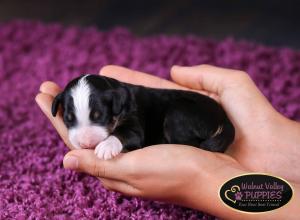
<point x="70" y="117"/>
<point x="95" y="115"/>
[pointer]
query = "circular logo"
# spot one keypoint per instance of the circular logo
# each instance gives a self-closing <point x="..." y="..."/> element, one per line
<point x="256" y="193"/>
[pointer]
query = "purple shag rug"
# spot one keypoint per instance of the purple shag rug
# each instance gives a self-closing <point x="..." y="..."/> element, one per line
<point x="33" y="183"/>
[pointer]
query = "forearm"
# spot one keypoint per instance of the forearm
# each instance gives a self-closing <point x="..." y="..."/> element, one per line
<point x="204" y="195"/>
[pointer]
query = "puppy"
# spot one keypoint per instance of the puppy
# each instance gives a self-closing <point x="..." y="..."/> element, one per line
<point x="112" y="117"/>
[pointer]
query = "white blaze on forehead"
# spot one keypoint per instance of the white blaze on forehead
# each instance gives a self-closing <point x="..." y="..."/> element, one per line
<point x="81" y="95"/>
<point x="84" y="134"/>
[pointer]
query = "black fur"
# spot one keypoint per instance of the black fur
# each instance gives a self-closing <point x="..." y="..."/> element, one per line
<point x="147" y="116"/>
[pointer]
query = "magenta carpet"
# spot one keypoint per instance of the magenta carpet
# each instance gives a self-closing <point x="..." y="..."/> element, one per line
<point x="33" y="183"/>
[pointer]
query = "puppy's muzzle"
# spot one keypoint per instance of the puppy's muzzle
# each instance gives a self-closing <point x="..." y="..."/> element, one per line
<point x="87" y="144"/>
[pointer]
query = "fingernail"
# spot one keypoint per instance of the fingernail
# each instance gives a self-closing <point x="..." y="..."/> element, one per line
<point x="37" y="100"/>
<point x="71" y="162"/>
<point x="175" y="66"/>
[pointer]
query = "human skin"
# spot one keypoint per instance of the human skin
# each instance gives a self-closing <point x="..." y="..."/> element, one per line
<point x="265" y="142"/>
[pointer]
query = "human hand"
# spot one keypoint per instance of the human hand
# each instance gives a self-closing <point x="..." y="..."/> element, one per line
<point x="142" y="172"/>
<point x="265" y="140"/>
<point x="261" y="132"/>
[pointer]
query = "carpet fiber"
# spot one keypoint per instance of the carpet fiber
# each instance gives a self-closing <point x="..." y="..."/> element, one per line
<point x="33" y="183"/>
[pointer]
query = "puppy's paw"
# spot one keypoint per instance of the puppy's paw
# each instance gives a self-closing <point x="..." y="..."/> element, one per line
<point x="109" y="148"/>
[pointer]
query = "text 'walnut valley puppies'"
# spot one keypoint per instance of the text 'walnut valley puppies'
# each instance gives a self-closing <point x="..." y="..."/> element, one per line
<point x="113" y="116"/>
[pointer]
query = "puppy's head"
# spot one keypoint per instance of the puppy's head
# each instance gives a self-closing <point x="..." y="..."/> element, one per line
<point x="91" y="106"/>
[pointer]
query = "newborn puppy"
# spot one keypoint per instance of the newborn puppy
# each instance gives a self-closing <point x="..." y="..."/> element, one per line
<point x="112" y="117"/>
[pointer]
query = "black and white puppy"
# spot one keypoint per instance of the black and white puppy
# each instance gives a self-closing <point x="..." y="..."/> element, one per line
<point x="111" y="116"/>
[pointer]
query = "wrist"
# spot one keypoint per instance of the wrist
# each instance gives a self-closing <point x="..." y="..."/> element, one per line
<point x="285" y="127"/>
<point x="202" y="191"/>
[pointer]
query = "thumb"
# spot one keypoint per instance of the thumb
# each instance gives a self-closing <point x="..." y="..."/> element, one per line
<point x="206" y="77"/>
<point x="86" y="161"/>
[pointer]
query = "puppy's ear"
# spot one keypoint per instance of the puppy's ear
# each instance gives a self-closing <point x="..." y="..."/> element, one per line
<point x="55" y="104"/>
<point x="120" y="100"/>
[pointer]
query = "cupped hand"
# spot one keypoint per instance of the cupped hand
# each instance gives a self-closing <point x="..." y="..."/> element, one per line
<point x="265" y="142"/>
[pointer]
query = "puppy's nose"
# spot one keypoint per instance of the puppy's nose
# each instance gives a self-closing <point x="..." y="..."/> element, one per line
<point x="87" y="144"/>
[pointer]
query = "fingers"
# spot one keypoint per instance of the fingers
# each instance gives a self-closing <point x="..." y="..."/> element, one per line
<point x="204" y="77"/>
<point x="85" y="160"/>
<point x="50" y="88"/>
<point x="139" y="78"/>
<point x="120" y="186"/>
<point x="44" y="101"/>
<point x="112" y="173"/>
